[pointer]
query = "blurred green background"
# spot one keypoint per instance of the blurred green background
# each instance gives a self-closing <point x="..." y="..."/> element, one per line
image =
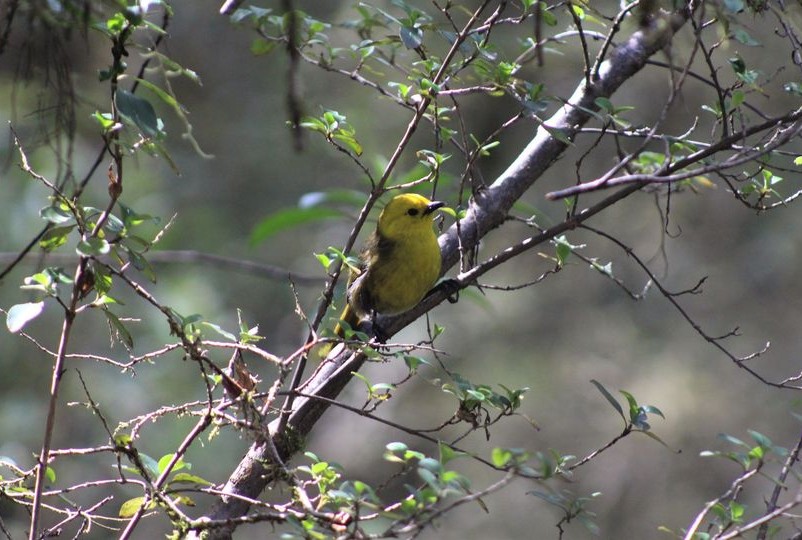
<point x="553" y="338"/>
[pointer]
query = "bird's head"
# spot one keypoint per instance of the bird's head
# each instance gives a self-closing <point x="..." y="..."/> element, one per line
<point x="408" y="213"/>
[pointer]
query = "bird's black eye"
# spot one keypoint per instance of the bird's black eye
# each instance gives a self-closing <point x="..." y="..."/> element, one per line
<point x="412" y="211"/>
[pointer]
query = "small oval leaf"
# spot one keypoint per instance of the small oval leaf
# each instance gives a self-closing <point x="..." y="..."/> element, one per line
<point x="21" y="314"/>
<point x="131" y="507"/>
<point x="56" y="215"/>
<point x="411" y="37"/>
<point x="139" y="111"/>
<point x="93" y="247"/>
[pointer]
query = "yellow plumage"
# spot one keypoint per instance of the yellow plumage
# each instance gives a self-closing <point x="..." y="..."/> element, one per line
<point x="400" y="262"/>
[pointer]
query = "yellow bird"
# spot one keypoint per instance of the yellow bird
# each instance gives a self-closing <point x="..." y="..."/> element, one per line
<point x="399" y="264"/>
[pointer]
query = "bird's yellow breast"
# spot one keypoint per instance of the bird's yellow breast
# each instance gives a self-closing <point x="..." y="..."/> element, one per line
<point x="404" y="273"/>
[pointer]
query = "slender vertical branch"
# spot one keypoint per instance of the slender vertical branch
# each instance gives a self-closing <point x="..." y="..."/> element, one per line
<point x="55" y="383"/>
<point x="82" y="275"/>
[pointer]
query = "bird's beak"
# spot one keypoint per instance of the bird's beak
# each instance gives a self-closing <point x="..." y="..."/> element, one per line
<point x="432" y="206"/>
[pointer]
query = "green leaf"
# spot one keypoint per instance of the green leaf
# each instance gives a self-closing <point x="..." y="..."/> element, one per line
<point x="142" y="264"/>
<point x="131" y="218"/>
<point x="151" y="465"/>
<point x="734" y="6"/>
<point x="166" y="459"/>
<point x="261" y="46"/>
<point x="633" y="403"/>
<point x="349" y="197"/>
<point x="431" y="464"/>
<point x="548" y="17"/>
<point x="757" y="453"/>
<point x="738" y="65"/>
<point x="411" y="37"/>
<point x="116" y="23"/>
<point x="403" y="89"/>
<point x="658" y="439"/>
<point x="396" y="447"/>
<point x="349" y="140"/>
<point x="761" y="439"/>
<point x="738" y="98"/>
<point x="501" y="457"/>
<point x="93" y="247"/>
<point x="139" y="111"/>
<point x="131" y="507"/>
<point x="219" y="330"/>
<point x="563" y="250"/>
<point x="558" y="134"/>
<point x="55" y="237"/>
<point x="609" y="397"/>
<point x="114" y="225"/>
<point x="56" y="215"/>
<point x="324" y="260"/>
<point x="122" y="332"/>
<point x="606" y="269"/>
<point x="191" y="319"/>
<point x="550" y="498"/>
<point x="106" y="120"/>
<point x="447" y="453"/>
<point x="21" y="314"/>
<point x="742" y="36"/>
<point x="291" y="217"/>
<point x="712" y="110"/>
<point x="604" y="104"/>
<point x="429" y="477"/>
<point x="429" y="86"/>
<point x="160" y="93"/>
<point x="413" y="362"/>
<point x="314" y="124"/>
<point x="103" y="280"/>
<point x="184" y="500"/>
<point x="362" y="378"/>
<point x="732" y="440"/>
<point x="736" y="511"/>
<point x="651" y="409"/>
<point x="187" y="478"/>
<point x="251" y="12"/>
<point x="50" y="474"/>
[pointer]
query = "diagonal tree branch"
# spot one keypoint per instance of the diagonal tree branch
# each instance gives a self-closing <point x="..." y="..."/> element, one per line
<point x="487" y="210"/>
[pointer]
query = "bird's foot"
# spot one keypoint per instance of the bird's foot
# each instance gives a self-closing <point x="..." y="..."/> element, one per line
<point x="451" y="288"/>
<point x="373" y="328"/>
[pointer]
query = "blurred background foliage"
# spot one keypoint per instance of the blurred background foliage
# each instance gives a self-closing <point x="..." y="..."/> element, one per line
<point x="553" y="338"/>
